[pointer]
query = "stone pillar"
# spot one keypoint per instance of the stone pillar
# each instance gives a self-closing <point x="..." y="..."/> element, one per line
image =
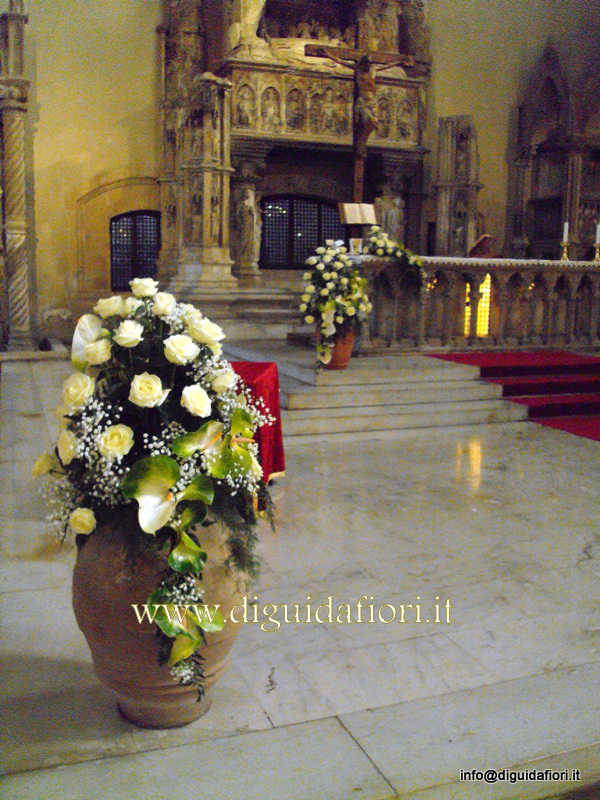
<point x="457" y="186"/>
<point x="572" y="200"/>
<point x="520" y="242"/>
<point x="13" y="107"/>
<point x="246" y="223"/>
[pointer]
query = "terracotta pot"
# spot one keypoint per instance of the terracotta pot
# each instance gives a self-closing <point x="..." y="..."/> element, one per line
<point x="106" y="581"/>
<point x="342" y="350"/>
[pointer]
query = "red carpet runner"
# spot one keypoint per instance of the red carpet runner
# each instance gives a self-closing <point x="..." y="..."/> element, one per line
<point x="561" y="390"/>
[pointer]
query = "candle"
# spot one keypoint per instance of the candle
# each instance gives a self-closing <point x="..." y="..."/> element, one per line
<point x="566" y="232"/>
<point x="598" y="233"/>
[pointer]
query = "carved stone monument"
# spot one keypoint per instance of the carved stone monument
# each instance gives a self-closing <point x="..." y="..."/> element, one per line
<point x="14" y="90"/>
<point x="196" y="166"/>
<point x="457" y="186"/>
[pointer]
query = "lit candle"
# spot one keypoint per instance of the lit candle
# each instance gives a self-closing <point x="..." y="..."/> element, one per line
<point x="566" y="232"/>
<point x="598" y="233"/>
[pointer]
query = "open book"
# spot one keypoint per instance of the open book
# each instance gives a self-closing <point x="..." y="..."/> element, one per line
<point x="357" y="213"/>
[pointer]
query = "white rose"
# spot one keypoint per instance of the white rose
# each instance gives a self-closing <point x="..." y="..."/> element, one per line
<point x="327" y="258"/>
<point x="180" y="349"/>
<point x="223" y="380"/>
<point x="82" y="520"/>
<point x="217" y="348"/>
<point x="109" y="306"/>
<point x="303" y="307"/>
<point x="309" y="319"/>
<point x="310" y="289"/>
<point x="77" y="390"/>
<point x="144" y="287"/>
<point x="306" y="276"/>
<point x="196" y="401"/>
<point x="129" y="333"/>
<point x="67" y="447"/>
<point x="331" y="285"/>
<point x="305" y="298"/>
<point x="146" y="391"/>
<point x="312" y="260"/>
<point x="205" y="331"/>
<point x="351" y="311"/>
<point x="97" y="352"/>
<point x="164" y="304"/>
<point x="344" y="281"/>
<point x="339" y="320"/>
<point x="379" y="252"/>
<point x="115" y="441"/>
<point x="43" y="465"/>
<point x="130" y="306"/>
<point x="334" y="275"/>
<point x="324" y="292"/>
<point x="320" y="267"/>
<point x="326" y="276"/>
<point x="362" y="307"/>
<point x="320" y="250"/>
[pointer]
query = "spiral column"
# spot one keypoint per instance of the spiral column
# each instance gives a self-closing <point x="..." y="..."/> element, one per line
<point x="14" y="92"/>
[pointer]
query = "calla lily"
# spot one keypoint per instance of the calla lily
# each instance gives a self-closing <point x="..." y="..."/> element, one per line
<point x="86" y="332"/>
<point x="209" y="439"/>
<point x="150" y="482"/>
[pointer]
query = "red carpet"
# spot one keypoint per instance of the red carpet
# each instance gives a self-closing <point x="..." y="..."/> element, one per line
<point x="560" y="389"/>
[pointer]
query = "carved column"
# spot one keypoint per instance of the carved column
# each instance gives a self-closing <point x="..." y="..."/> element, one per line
<point x="13" y="107"/>
<point x="246" y="223"/>
<point x="475" y="282"/>
<point x="457" y="186"/>
<point x="572" y="200"/>
<point x="501" y="299"/>
<point x="595" y="314"/>
<point x="204" y="171"/>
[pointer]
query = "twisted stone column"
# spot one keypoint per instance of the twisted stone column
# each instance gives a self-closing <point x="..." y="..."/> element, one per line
<point x="12" y="111"/>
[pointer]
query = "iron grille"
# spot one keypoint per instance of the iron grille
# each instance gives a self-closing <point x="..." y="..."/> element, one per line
<point x="134" y="247"/>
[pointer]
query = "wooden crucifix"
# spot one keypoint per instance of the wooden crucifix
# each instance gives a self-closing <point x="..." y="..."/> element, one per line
<point x="365" y="66"/>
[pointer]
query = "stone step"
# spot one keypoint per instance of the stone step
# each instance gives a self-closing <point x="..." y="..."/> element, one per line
<point x="401" y="417"/>
<point x="294" y="395"/>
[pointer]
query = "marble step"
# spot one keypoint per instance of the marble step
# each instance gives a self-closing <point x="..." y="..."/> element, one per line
<point x="295" y="395"/>
<point x="329" y="422"/>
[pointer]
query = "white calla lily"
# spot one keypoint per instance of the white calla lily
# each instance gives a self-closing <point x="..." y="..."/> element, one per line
<point x="87" y="331"/>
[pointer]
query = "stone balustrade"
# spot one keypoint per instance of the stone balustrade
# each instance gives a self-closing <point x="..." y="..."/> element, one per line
<point x="448" y="303"/>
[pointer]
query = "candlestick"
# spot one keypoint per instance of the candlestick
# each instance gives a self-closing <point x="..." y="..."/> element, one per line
<point x="597" y="256"/>
<point x="565" y="251"/>
<point x="597" y="233"/>
<point x="566" y="232"/>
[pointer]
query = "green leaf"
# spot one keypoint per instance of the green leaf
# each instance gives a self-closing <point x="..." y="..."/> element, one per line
<point x="168" y="617"/>
<point x="187" y="556"/>
<point x="155" y="471"/>
<point x="220" y="461"/>
<point x="211" y="619"/>
<point x="241" y="424"/>
<point x="205" y="439"/>
<point x="183" y="647"/>
<point x="201" y="488"/>
<point x="194" y="513"/>
<point x="241" y="458"/>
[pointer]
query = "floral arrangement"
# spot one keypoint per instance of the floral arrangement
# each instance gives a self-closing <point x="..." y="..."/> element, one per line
<point x="378" y="243"/>
<point x="155" y="425"/>
<point x="334" y="298"/>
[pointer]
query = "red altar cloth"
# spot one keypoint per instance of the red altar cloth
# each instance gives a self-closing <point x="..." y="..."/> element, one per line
<point x="262" y="378"/>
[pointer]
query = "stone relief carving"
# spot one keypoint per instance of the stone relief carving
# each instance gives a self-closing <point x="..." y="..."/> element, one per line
<point x="270" y="109"/>
<point x="295" y="110"/>
<point x="215" y="209"/>
<point x="315" y="113"/>
<point x="245" y="110"/>
<point x="385" y="119"/>
<point x="379" y="28"/>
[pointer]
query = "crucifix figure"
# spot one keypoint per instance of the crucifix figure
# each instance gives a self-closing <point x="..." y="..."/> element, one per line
<point x="365" y="66"/>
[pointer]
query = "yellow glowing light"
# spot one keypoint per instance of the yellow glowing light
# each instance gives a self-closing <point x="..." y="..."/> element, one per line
<point x="483" y="309"/>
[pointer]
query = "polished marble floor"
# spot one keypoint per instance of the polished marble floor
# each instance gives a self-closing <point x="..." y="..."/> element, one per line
<point x="501" y="521"/>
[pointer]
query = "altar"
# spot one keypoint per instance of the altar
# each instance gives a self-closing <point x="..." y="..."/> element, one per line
<point x="459" y="303"/>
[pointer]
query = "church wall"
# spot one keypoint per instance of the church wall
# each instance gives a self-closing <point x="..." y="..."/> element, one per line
<point x="483" y="54"/>
<point x="92" y="121"/>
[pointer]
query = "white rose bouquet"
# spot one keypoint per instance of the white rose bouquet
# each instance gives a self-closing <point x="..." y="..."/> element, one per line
<point x="156" y="427"/>
<point x="378" y="243"/>
<point x="334" y="298"/>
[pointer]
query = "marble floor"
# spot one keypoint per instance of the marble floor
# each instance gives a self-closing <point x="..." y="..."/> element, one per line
<point x="501" y="521"/>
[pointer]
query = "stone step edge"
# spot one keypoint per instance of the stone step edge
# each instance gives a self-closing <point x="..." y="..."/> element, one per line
<point x="416" y="409"/>
<point x="406" y="423"/>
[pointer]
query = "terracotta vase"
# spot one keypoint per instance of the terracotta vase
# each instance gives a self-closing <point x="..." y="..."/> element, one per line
<point x="342" y="350"/>
<point x="106" y="581"/>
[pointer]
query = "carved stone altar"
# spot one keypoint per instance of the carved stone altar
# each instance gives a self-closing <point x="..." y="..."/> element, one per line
<point x="531" y="303"/>
<point x="278" y="102"/>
